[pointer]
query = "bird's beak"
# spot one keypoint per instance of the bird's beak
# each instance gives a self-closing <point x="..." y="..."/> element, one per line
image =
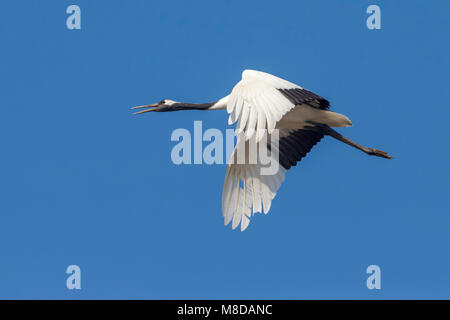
<point x="148" y="107"/>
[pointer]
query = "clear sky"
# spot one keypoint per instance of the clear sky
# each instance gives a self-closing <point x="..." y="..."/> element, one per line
<point x="84" y="182"/>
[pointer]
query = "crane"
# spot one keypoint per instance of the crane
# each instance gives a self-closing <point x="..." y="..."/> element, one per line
<point x="260" y="104"/>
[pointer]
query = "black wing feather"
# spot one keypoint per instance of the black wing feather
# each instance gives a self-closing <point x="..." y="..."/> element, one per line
<point x="302" y="96"/>
<point x="294" y="145"/>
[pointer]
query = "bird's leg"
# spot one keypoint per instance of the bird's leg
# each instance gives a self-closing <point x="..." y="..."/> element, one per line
<point x="332" y="133"/>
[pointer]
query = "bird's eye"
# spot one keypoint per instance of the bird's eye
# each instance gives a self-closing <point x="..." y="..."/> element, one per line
<point x="162" y="102"/>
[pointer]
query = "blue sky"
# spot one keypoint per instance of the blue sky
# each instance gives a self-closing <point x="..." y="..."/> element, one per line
<point x="84" y="182"/>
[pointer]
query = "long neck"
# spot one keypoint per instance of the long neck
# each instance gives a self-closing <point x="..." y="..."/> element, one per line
<point x="219" y="104"/>
<point x="190" y="106"/>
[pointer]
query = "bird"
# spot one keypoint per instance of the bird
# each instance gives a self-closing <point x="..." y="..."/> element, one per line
<point x="261" y="105"/>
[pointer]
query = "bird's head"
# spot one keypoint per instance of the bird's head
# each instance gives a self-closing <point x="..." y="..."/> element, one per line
<point x="162" y="106"/>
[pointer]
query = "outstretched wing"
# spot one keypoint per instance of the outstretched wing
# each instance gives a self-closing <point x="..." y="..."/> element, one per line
<point x="260" y="100"/>
<point x="247" y="190"/>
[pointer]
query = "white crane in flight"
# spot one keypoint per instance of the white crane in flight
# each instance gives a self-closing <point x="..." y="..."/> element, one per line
<point x="261" y="102"/>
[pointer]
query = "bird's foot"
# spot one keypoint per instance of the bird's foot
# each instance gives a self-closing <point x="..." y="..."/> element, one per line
<point x="378" y="153"/>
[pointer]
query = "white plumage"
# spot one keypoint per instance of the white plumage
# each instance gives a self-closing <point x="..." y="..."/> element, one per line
<point x="246" y="191"/>
<point x="256" y="102"/>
